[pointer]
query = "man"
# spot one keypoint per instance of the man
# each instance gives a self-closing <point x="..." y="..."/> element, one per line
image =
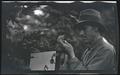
<point x="99" y="53"/>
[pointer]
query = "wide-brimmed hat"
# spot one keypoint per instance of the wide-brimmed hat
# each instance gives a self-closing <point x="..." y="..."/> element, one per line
<point x="90" y="17"/>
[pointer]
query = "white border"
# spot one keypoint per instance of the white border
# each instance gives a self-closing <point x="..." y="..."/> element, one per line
<point x="59" y="1"/>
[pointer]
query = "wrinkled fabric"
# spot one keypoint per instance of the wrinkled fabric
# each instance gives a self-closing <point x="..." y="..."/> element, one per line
<point x="102" y="56"/>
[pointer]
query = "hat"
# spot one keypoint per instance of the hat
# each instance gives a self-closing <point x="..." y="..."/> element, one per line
<point x="90" y="17"/>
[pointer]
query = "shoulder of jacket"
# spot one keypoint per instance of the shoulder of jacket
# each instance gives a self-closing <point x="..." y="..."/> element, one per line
<point x="106" y="44"/>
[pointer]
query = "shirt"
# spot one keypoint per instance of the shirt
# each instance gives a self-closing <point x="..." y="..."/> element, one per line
<point x="102" y="56"/>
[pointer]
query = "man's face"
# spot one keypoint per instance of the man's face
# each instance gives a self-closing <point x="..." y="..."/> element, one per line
<point x="87" y="34"/>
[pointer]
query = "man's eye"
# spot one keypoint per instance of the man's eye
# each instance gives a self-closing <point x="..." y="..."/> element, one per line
<point x="82" y="28"/>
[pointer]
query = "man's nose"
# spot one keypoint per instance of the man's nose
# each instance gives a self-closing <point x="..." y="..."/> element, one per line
<point x="82" y="32"/>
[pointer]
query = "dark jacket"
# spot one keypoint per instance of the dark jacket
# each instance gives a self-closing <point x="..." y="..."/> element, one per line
<point x="100" y="57"/>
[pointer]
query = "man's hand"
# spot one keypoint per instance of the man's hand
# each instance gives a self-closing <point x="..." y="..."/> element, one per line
<point x="68" y="47"/>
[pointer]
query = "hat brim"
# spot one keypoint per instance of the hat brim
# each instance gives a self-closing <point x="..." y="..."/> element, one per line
<point x="80" y="24"/>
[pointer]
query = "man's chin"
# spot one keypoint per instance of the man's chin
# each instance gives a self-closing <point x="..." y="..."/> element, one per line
<point x="84" y="40"/>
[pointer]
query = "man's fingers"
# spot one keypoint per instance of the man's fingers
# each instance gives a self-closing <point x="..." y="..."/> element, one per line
<point x="62" y="41"/>
<point x="60" y="38"/>
<point x="66" y="42"/>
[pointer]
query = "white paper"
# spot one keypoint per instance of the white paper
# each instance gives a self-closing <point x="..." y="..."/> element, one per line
<point x="41" y="59"/>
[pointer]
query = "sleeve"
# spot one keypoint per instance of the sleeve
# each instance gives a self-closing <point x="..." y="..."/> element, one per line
<point x="72" y="64"/>
<point x="103" y="60"/>
<point x="76" y="64"/>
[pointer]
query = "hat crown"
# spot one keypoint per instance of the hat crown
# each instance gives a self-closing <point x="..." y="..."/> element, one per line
<point x="91" y="15"/>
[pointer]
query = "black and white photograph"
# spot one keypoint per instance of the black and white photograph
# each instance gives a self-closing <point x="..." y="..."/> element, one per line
<point x="59" y="37"/>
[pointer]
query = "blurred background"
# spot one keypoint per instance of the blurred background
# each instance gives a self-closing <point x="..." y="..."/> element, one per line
<point x="32" y="27"/>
